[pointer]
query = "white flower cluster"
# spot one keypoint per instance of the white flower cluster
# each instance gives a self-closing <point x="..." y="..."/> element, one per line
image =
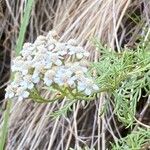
<point x="50" y="62"/>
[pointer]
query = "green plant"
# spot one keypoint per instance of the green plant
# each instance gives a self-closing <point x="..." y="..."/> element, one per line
<point x="124" y="76"/>
<point x="137" y="140"/>
<point x="24" y="24"/>
<point x="5" y="123"/>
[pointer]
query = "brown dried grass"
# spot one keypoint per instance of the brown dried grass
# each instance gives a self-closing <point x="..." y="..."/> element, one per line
<point x="31" y="126"/>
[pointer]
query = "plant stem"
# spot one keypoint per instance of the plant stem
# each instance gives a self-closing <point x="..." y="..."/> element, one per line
<point x="24" y="24"/>
<point x="4" y="131"/>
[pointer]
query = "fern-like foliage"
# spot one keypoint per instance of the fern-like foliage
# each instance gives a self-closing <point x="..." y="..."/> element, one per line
<point x="137" y="140"/>
<point x="124" y="76"/>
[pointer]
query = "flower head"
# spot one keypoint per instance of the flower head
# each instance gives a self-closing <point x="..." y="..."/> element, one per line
<point x="87" y="86"/>
<point x="62" y="76"/>
<point x="21" y="93"/>
<point x="50" y="63"/>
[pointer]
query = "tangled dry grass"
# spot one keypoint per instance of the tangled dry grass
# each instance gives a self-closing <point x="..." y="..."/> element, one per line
<point x="116" y="23"/>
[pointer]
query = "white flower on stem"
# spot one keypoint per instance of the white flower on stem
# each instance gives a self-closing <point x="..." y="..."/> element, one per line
<point x="26" y="46"/>
<point x="18" y="77"/>
<point x="50" y="41"/>
<point x="76" y="66"/>
<point x="41" y="40"/>
<point x="51" y="47"/>
<point x="39" y="67"/>
<point x="87" y="86"/>
<point x="51" y="37"/>
<point x="27" y="51"/>
<point x="27" y="82"/>
<point x="41" y="49"/>
<point x="71" y="81"/>
<point x="61" y="49"/>
<point x="36" y="76"/>
<point x="44" y="60"/>
<point x="49" y="77"/>
<point x="56" y="59"/>
<point x="10" y="91"/>
<point x="79" y="52"/>
<point x="16" y="63"/>
<point x="79" y="75"/>
<point x="48" y="61"/>
<point x="21" y="93"/>
<point x="79" y="55"/>
<point x="63" y="76"/>
<point x="20" y="65"/>
<point x="52" y="34"/>
<point x="71" y="50"/>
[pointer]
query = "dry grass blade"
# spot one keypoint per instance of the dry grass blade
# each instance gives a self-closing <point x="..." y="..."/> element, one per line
<point x="31" y="125"/>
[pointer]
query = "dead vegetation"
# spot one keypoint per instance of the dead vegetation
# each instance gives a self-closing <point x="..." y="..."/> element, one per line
<point x="116" y="23"/>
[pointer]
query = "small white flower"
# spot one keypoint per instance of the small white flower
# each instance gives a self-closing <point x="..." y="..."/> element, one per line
<point x="79" y="55"/>
<point x="49" y="77"/>
<point x="71" y="81"/>
<point x="51" y="47"/>
<point x="62" y="76"/>
<point x="10" y="91"/>
<point x="88" y="86"/>
<point x="27" y="82"/>
<point x="95" y="87"/>
<point x="51" y="40"/>
<point x="20" y="65"/>
<point x="81" y="86"/>
<point x="21" y="93"/>
<point x="79" y="52"/>
<point x="88" y="91"/>
<point x="16" y="63"/>
<point x="18" y="77"/>
<point x="62" y="53"/>
<point x="39" y="66"/>
<point x="28" y="51"/>
<point x="27" y="45"/>
<point x="51" y="34"/>
<point x="79" y="75"/>
<point x="61" y="49"/>
<point x="56" y="59"/>
<point x="72" y="50"/>
<point x="41" y="49"/>
<point x="76" y="66"/>
<point x="36" y="76"/>
<point x="41" y="40"/>
<point x="48" y="65"/>
<point x="42" y="61"/>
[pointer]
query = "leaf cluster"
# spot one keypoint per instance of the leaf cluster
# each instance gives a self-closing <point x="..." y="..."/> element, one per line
<point x="125" y="76"/>
<point x="135" y="141"/>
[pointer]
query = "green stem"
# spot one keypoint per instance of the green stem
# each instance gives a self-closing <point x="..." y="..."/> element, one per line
<point x="4" y="131"/>
<point x="60" y="90"/>
<point x="37" y="97"/>
<point x="24" y="25"/>
<point x="139" y="70"/>
<point x="43" y="100"/>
